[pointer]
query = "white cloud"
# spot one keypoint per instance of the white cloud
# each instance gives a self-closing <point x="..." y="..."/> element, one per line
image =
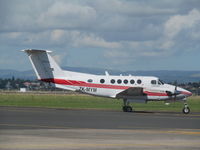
<point x="59" y="58"/>
<point x="57" y="34"/>
<point x="178" y="23"/>
<point x="166" y="44"/>
<point x="179" y="30"/>
<point x="10" y="35"/>
<point x="67" y="15"/>
<point x="91" y="40"/>
<point x="115" y="29"/>
<point x="116" y="56"/>
<point x="131" y="8"/>
<point x="13" y="34"/>
<point x="60" y="37"/>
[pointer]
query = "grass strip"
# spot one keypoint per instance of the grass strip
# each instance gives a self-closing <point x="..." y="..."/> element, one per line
<point x="89" y="102"/>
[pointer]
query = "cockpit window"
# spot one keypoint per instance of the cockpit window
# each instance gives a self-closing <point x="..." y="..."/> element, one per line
<point x="153" y="81"/>
<point x="160" y="82"/>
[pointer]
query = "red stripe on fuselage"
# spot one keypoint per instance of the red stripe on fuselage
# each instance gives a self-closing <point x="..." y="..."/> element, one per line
<point x="58" y="81"/>
<point x="85" y="84"/>
<point x="155" y="94"/>
<point x="186" y="93"/>
<point x="82" y="83"/>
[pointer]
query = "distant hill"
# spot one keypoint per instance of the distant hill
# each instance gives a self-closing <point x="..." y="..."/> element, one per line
<point x="165" y="75"/>
<point x="8" y="73"/>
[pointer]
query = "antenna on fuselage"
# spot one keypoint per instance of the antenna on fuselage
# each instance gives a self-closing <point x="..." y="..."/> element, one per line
<point x="106" y="73"/>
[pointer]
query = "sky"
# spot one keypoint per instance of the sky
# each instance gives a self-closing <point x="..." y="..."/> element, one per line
<point x="112" y="34"/>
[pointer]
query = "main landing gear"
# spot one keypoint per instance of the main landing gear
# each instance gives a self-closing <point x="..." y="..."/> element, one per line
<point x="126" y="107"/>
<point x="186" y="109"/>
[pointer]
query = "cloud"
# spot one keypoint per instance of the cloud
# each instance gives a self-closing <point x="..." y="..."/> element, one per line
<point x="179" y="31"/>
<point x="114" y="30"/>
<point x="57" y="34"/>
<point x="91" y="40"/>
<point x="81" y="39"/>
<point x="178" y="23"/>
<point x="67" y="15"/>
<point x="59" y="58"/>
<point x="130" y="8"/>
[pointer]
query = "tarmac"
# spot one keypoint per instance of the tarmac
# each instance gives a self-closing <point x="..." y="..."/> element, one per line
<point x="61" y="129"/>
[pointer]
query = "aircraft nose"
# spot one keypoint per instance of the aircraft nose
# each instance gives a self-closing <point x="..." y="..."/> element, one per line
<point x="186" y="92"/>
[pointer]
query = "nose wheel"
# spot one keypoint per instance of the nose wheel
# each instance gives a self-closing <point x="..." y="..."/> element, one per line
<point x="126" y="107"/>
<point x="186" y="109"/>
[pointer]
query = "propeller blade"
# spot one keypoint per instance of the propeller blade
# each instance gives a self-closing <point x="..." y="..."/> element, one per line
<point x="169" y="93"/>
<point x="175" y="90"/>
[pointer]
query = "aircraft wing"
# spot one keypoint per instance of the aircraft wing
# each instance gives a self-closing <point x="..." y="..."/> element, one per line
<point x="132" y="92"/>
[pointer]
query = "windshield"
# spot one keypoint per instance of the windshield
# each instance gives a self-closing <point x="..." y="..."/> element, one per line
<point x="160" y="82"/>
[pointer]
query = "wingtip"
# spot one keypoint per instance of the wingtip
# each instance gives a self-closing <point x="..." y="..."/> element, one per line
<point x="35" y="50"/>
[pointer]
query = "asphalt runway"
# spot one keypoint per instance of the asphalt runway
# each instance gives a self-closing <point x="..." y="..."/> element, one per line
<point x="40" y="128"/>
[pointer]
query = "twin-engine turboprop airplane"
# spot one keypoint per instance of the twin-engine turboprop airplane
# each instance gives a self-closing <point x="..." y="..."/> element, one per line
<point x="140" y="89"/>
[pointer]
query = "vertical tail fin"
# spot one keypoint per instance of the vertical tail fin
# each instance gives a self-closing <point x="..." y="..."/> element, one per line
<point x="43" y="64"/>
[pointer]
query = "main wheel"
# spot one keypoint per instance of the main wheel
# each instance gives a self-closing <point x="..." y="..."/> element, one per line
<point x="186" y="110"/>
<point x="124" y="108"/>
<point x="129" y="109"/>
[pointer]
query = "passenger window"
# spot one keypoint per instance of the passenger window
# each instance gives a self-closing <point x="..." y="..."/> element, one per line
<point x="153" y="81"/>
<point x="125" y="81"/>
<point x="139" y="81"/>
<point x="132" y="81"/>
<point x="119" y="81"/>
<point x="90" y="80"/>
<point x="102" y="80"/>
<point x="112" y="81"/>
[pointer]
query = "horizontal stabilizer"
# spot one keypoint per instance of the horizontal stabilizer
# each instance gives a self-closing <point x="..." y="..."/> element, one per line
<point x="35" y="50"/>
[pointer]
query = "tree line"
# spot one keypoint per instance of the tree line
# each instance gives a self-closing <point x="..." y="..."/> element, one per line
<point x="17" y="83"/>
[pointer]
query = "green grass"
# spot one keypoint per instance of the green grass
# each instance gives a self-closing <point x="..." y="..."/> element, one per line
<point x="89" y="102"/>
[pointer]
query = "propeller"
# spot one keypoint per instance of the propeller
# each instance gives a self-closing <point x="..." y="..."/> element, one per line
<point x="175" y="93"/>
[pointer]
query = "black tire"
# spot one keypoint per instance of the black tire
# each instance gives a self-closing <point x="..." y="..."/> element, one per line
<point x="186" y="110"/>
<point x="129" y="109"/>
<point x="124" y="108"/>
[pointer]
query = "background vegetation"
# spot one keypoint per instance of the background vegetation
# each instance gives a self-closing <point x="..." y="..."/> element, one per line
<point x="76" y="101"/>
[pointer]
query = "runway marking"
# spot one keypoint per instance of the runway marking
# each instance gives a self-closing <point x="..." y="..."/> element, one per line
<point x="24" y="110"/>
<point x="35" y="126"/>
<point x="152" y="130"/>
<point x="146" y="114"/>
<point x="185" y="132"/>
<point x="85" y="145"/>
<point x="173" y="116"/>
<point x="148" y="130"/>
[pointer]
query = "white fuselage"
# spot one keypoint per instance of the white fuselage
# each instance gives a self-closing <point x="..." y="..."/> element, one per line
<point x="141" y="88"/>
<point x="110" y="86"/>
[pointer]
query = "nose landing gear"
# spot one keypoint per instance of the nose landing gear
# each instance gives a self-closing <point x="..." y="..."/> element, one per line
<point x="126" y="107"/>
<point x="186" y="109"/>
